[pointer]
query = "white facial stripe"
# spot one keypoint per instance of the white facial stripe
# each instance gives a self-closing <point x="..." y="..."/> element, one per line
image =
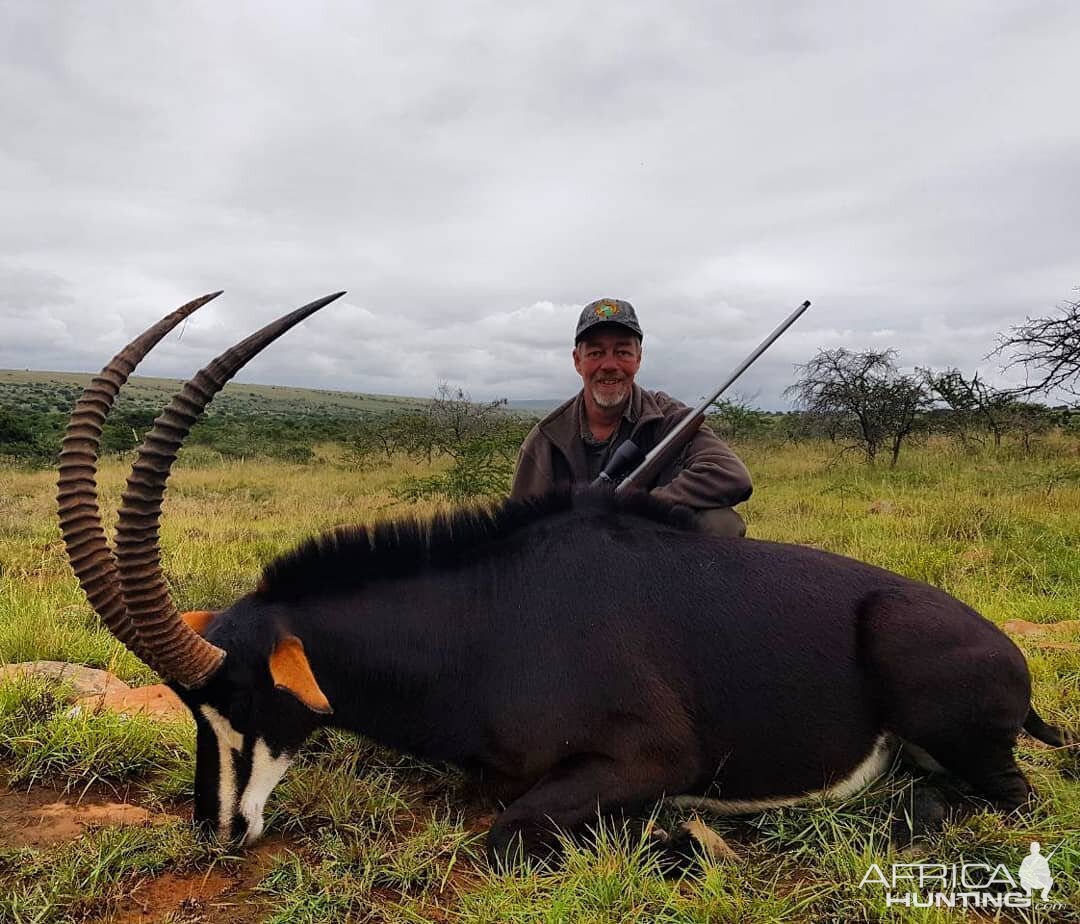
<point x="869" y="769"/>
<point x="266" y="770"/>
<point x="229" y="741"/>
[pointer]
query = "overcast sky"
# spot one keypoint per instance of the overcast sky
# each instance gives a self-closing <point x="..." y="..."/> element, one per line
<point x="474" y="173"/>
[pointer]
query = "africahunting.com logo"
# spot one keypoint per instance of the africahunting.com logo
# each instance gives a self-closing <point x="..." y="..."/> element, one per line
<point x="967" y="885"/>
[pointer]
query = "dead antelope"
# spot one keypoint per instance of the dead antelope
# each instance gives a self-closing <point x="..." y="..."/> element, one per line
<point x="579" y="652"/>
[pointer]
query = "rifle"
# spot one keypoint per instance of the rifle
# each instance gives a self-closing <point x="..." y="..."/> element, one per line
<point x="645" y="467"/>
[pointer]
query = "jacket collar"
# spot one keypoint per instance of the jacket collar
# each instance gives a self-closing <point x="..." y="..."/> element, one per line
<point x="563" y="428"/>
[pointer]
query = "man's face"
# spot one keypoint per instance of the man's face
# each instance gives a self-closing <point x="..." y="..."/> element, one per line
<point x="607" y="362"/>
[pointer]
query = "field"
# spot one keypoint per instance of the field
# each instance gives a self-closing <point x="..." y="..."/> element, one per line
<point x="57" y="391"/>
<point x="357" y="833"/>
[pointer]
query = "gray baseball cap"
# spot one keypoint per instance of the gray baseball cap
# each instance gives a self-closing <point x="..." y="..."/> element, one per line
<point x="607" y="311"/>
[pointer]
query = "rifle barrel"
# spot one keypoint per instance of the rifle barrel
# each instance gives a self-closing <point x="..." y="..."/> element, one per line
<point x="652" y="459"/>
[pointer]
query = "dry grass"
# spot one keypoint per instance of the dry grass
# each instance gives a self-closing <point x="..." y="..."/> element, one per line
<point x="996" y="529"/>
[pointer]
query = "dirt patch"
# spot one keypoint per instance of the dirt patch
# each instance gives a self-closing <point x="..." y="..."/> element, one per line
<point x="1045" y="635"/>
<point x="157" y="701"/>
<point x="228" y="891"/>
<point x="43" y="815"/>
<point x="1024" y="629"/>
<point x="189" y="898"/>
<point x="219" y="894"/>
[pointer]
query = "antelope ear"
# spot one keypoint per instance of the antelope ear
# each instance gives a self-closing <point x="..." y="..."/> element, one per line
<point x="198" y="620"/>
<point x="291" y="671"/>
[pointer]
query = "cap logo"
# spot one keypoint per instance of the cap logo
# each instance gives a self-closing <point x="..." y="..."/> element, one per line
<point x="606" y="310"/>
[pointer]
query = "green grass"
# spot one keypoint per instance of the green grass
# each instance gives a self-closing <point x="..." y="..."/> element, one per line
<point x="354" y="871"/>
<point x="58" y="391"/>
<point x="43" y="739"/>
<point x="90" y="877"/>
<point x="374" y="836"/>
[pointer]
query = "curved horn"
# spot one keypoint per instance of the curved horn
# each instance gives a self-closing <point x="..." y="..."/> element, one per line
<point x="77" y="498"/>
<point x="165" y="642"/>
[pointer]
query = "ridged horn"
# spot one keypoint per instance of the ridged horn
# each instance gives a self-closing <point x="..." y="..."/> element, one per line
<point x="77" y="497"/>
<point x="165" y="641"/>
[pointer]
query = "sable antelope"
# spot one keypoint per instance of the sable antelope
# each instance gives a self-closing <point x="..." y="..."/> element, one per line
<point x="582" y="652"/>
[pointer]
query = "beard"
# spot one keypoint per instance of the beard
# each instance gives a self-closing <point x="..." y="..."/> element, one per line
<point x="610" y="399"/>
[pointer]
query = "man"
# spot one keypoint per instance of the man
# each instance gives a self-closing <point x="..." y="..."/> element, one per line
<point x="573" y="443"/>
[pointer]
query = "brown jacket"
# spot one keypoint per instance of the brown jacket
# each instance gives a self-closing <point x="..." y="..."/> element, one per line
<point x="707" y="474"/>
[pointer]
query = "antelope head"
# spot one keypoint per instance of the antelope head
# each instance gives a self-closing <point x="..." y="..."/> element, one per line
<point x="245" y="679"/>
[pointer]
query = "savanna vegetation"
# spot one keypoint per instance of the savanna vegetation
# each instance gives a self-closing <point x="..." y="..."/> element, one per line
<point x="359" y="833"/>
<point x="932" y="474"/>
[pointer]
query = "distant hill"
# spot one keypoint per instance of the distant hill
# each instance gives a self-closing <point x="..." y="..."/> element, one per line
<point x="538" y="406"/>
<point x="58" y="391"/>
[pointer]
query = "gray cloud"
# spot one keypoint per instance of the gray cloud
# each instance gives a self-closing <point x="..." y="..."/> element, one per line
<point x="473" y="174"/>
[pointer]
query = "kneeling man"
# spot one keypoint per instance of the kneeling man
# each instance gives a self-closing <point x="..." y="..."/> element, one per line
<point x="573" y="443"/>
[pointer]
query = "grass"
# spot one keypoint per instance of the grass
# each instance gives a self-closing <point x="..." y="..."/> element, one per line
<point x="374" y="836"/>
<point x="58" y="391"/>
<point x="43" y="739"/>
<point x="90" y="877"/>
<point x="354" y="871"/>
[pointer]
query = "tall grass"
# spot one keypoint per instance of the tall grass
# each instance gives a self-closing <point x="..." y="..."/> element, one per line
<point x="377" y="838"/>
